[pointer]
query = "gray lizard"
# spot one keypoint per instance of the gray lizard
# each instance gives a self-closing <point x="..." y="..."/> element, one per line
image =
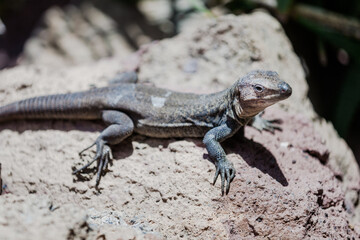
<point x="127" y="107"/>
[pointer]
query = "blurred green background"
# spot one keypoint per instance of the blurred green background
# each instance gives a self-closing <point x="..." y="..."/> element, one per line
<point x="325" y="35"/>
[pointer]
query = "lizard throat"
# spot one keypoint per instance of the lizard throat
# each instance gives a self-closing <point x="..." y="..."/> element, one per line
<point x="241" y="115"/>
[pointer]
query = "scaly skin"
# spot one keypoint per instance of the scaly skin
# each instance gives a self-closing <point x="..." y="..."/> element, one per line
<point x="127" y="107"/>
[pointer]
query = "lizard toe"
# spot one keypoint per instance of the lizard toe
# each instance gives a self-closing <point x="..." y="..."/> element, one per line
<point x="103" y="161"/>
<point x="102" y="157"/>
<point x="226" y="171"/>
<point x="216" y="174"/>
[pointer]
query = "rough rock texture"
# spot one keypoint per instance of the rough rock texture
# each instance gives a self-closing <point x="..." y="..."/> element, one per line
<point x="83" y="32"/>
<point x="75" y="35"/>
<point x="289" y="185"/>
<point x="35" y="217"/>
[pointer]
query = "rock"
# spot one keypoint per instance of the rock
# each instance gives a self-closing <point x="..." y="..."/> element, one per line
<point x="289" y="185"/>
<point x="74" y="35"/>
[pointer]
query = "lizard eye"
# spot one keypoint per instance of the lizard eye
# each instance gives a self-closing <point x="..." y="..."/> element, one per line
<point x="259" y="88"/>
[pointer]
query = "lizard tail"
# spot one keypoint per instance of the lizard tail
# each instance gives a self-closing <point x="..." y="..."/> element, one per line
<point x="60" y="106"/>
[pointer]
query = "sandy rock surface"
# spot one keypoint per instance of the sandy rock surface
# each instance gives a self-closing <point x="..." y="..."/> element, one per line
<point x="300" y="183"/>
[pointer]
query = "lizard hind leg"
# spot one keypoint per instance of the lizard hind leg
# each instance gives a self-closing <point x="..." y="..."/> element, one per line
<point x="120" y="127"/>
<point x="124" y="77"/>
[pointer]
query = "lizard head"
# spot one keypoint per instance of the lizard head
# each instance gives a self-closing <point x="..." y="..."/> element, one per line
<point x="258" y="90"/>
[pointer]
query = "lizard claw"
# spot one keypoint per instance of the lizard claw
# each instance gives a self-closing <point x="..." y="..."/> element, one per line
<point x="227" y="172"/>
<point x="103" y="159"/>
<point x="103" y="155"/>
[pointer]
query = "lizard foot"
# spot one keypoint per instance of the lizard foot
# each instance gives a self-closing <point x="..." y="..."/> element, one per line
<point x="226" y="171"/>
<point x="124" y="77"/>
<point x="103" y="156"/>
<point x="266" y="125"/>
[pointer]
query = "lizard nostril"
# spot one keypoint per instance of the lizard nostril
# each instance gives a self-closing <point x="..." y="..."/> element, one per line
<point x="285" y="88"/>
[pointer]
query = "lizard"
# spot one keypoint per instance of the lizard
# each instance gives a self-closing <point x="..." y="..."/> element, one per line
<point x="127" y="107"/>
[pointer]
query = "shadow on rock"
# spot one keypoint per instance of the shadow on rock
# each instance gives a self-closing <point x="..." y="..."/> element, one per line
<point x="256" y="155"/>
<point x="119" y="151"/>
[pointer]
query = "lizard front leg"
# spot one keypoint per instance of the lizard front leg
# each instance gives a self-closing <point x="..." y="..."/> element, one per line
<point x="120" y="127"/>
<point x="212" y="140"/>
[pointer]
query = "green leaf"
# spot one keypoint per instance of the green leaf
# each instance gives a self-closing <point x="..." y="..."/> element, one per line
<point x="349" y="99"/>
<point x="284" y="6"/>
<point x="352" y="46"/>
